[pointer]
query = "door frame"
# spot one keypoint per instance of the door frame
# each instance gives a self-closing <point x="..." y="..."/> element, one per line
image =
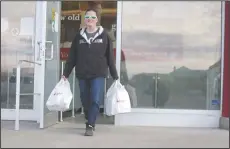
<point x="39" y="71"/>
<point x="42" y="15"/>
<point x="165" y="117"/>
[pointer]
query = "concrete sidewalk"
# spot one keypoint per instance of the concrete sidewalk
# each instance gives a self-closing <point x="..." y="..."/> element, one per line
<point x="70" y="135"/>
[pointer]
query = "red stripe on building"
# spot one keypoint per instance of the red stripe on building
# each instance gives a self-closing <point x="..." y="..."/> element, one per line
<point x="64" y="52"/>
<point x="226" y="83"/>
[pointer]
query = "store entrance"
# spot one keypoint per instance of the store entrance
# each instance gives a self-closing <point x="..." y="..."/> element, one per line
<point x="72" y="19"/>
<point x="35" y="45"/>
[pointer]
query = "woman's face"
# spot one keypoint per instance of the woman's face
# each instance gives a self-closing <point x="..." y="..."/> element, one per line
<point x="91" y="18"/>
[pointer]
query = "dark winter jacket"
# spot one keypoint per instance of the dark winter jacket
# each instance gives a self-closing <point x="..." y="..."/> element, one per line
<point x="91" y="58"/>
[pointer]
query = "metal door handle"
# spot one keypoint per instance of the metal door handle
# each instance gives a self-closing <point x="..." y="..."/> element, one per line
<point x="52" y="51"/>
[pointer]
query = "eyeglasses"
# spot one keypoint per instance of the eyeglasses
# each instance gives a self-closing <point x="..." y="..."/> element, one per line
<point x="90" y="17"/>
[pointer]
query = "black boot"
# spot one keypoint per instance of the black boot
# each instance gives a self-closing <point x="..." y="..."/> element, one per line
<point x="89" y="130"/>
<point x="86" y="124"/>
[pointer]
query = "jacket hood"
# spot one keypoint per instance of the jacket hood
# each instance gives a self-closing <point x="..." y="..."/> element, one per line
<point x="83" y="34"/>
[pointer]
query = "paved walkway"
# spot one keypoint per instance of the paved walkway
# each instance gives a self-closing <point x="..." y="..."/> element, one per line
<point x="70" y="135"/>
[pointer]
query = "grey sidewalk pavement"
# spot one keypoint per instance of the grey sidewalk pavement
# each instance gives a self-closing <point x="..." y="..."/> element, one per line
<point x="70" y="135"/>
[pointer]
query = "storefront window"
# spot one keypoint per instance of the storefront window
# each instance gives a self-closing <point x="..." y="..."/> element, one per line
<point x="171" y="54"/>
<point x="17" y="43"/>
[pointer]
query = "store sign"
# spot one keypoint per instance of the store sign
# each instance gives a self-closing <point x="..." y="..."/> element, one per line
<point x="64" y="52"/>
<point x="73" y="17"/>
<point x="53" y="20"/>
<point x="216" y="102"/>
<point x="131" y="55"/>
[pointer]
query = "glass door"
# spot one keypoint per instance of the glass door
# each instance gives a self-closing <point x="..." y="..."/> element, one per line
<point x="17" y="44"/>
<point x="48" y="41"/>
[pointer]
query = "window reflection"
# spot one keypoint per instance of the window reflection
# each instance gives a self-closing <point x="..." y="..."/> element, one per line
<point x="172" y="54"/>
<point x="17" y="37"/>
<point x="4" y="25"/>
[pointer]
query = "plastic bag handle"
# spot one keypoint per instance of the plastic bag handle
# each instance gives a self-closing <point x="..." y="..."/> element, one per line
<point x="63" y="81"/>
<point x="114" y="84"/>
<point x="118" y="85"/>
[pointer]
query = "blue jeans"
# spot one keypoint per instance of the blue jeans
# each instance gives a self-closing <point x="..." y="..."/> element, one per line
<point x="91" y="92"/>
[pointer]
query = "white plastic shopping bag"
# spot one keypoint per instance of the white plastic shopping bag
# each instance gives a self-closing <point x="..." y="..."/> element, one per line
<point x="117" y="100"/>
<point x="61" y="97"/>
